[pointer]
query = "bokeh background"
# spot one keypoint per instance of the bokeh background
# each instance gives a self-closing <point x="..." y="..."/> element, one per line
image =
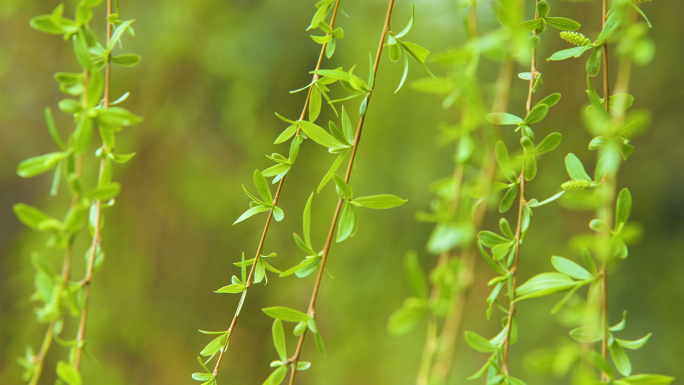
<point x="213" y="73"/>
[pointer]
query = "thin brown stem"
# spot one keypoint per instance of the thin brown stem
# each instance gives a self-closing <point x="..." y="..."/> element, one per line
<point x="98" y="214"/>
<point x="518" y="228"/>
<point x="270" y="213"/>
<point x="328" y="242"/>
<point x="608" y="184"/>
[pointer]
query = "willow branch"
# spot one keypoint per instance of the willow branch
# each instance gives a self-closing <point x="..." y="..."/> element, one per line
<point x="609" y="187"/>
<point x="250" y="278"/>
<point x="326" y="249"/>
<point x="98" y="217"/>
<point x="521" y="206"/>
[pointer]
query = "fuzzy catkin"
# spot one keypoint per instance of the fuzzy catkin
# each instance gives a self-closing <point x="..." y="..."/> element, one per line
<point x="575" y="38"/>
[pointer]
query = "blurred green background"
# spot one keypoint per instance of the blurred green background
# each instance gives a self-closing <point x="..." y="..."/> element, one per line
<point x="213" y="73"/>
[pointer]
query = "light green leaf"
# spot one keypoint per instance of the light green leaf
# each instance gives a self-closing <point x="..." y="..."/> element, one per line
<point x="279" y="339"/>
<point x="347" y="225"/>
<point x="480" y="343"/>
<point x="570" y="268"/>
<point x="544" y="284"/>
<point x="286" y="314"/>
<point x="502" y="118"/>
<point x="320" y="136"/>
<point x="415" y="276"/>
<point x="383" y="201"/>
<point x="68" y="373"/>
<point x="549" y="143"/>
<point x="623" y="207"/>
<point x="576" y="169"/>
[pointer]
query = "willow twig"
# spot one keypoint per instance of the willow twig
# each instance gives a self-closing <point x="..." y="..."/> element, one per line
<point x="521" y="206"/>
<point x="326" y="249"/>
<point x="250" y="278"/>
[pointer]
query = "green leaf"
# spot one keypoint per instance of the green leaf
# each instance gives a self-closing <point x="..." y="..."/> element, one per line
<point x="595" y="359"/>
<point x="277" y="376"/>
<point x="383" y="201"/>
<point x="542" y="8"/>
<point x="40" y="164"/>
<point x="126" y="60"/>
<point x="415" y="275"/>
<point x="251" y="212"/>
<point x="348" y="223"/>
<point x="623" y="207"/>
<point x="594" y="62"/>
<point x="232" y="289"/>
<point x="530" y="25"/>
<point x="550" y="100"/>
<point x="530" y="167"/>
<point x="417" y="52"/>
<point x="409" y="25"/>
<point x="563" y="23"/>
<point x="570" y="52"/>
<point x="620" y="359"/>
<point x="262" y="186"/>
<point x="279" y="339"/>
<point x="320" y="136"/>
<point x="403" y="76"/>
<point x="634" y="345"/>
<point x="303" y="365"/>
<point x="215" y="345"/>
<point x="537" y="114"/>
<point x="116" y="35"/>
<point x="491" y="239"/>
<point x="46" y="24"/>
<point x="610" y="27"/>
<point x="343" y="188"/>
<point x="319" y="343"/>
<point x="116" y="117"/>
<point x="81" y="51"/>
<point x="105" y="191"/>
<point x="502" y="118"/>
<point x="480" y="343"/>
<point x="647" y="379"/>
<point x="203" y="377"/>
<point x="29" y="215"/>
<point x="570" y="268"/>
<point x="549" y="143"/>
<point x="68" y="373"/>
<point x="576" y="169"/>
<point x="544" y="284"/>
<point x="508" y="199"/>
<point x="286" y="314"/>
<point x="53" y="129"/>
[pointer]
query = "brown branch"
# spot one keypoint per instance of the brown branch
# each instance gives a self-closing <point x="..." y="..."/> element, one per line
<point x="608" y="186"/>
<point x="328" y="242"/>
<point x="98" y="214"/>
<point x="275" y="203"/>
<point x="521" y="206"/>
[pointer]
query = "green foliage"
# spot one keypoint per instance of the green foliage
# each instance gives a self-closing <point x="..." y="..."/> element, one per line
<point x="90" y="108"/>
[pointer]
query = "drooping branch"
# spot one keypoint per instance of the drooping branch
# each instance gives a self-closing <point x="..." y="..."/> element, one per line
<point x="326" y="249"/>
<point x="260" y="247"/>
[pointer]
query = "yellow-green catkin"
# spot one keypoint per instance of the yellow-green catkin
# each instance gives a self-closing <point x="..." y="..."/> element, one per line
<point x="577" y="185"/>
<point x="575" y="38"/>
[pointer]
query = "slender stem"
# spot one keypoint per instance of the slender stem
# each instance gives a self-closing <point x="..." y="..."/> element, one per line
<point x="521" y="206"/>
<point x="98" y="219"/>
<point x="609" y="187"/>
<point x="328" y="242"/>
<point x="275" y="203"/>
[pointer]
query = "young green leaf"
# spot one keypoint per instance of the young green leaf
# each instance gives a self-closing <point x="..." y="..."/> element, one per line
<point x="537" y="114"/>
<point x="549" y="143"/>
<point x="544" y="284"/>
<point x="479" y="343"/>
<point x="570" y="268"/>
<point x="279" y="339"/>
<point x="502" y="118"/>
<point x="286" y="314"/>
<point x="623" y="207"/>
<point x="68" y="373"/>
<point x="348" y="222"/>
<point x="343" y="188"/>
<point x="575" y="168"/>
<point x="383" y="201"/>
